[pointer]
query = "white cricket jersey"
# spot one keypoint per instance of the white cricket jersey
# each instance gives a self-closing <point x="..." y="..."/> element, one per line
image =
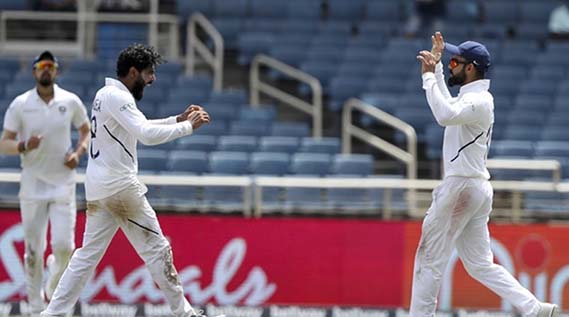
<point x="116" y="125"/>
<point x="468" y="120"/>
<point x="43" y="169"/>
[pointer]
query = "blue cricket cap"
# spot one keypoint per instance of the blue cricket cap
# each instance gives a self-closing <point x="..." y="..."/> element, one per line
<point x="472" y="51"/>
<point x="43" y="56"/>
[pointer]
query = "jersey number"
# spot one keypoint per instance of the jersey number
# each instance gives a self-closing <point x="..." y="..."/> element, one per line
<point x="94" y="155"/>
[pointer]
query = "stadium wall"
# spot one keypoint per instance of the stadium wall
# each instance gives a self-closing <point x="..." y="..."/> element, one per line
<point x="227" y="260"/>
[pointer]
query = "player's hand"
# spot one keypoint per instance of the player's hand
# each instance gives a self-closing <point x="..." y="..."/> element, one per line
<point x="428" y="62"/>
<point x="184" y="115"/>
<point x="438" y="46"/>
<point x="33" y="142"/>
<point x="71" y="160"/>
<point x="197" y="118"/>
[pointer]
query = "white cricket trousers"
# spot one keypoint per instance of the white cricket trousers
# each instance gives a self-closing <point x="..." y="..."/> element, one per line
<point x="458" y="217"/>
<point x="36" y="214"/>
<point x="129" y="210"/>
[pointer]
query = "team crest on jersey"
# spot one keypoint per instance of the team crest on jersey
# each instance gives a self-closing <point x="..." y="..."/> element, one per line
<point x="62" y="109"/>
<point x="97" y="105"/>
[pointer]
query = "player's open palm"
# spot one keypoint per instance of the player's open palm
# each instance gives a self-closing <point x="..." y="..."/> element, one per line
<point x="197" y="118"/>
<point x="438" y="46"/>
<point x="33" y="142"/>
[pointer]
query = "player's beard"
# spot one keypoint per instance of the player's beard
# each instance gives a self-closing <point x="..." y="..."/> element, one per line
<point x="138" y="88"/>
<point x="457" y="79"/>
<point x="45" y="80"/>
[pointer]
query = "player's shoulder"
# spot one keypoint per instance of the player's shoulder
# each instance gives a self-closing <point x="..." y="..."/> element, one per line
<point x="21" y="99"/>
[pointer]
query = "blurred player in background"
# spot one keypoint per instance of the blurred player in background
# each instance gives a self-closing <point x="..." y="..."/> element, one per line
<point x="115" y="197"/>
<point x="37" y="127"/>
<point x="459" y="214"/>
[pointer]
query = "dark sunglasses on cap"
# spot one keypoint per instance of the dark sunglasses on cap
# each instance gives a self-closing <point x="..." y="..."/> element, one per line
<point x="46" y="64"/>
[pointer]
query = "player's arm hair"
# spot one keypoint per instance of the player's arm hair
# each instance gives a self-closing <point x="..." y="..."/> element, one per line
<point x="84" y="137"/>
<point x="9" y="145"/>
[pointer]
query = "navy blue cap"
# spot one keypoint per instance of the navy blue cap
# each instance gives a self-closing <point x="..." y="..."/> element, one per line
<point x="43" y="56"/>
<point x="472" y="51"/>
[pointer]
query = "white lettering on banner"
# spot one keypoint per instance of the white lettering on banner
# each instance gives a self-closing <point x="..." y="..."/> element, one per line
<point x="358" y="312"/>
<point x="295" y="311"/>
<point x="108" y="310"/>
<point x="234" y="311"/>
<point x="255" y="290"/>
<point x="151" y="310"/>
<point x="12" y="262"/>
<point x="5" y="309"/>
<point x="482" y="313"/>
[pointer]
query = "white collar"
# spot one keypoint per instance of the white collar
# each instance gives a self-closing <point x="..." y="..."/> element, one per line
<point x="117" y="83"/>
<point x="38" y="97"/>
<point x="475" y="86"/>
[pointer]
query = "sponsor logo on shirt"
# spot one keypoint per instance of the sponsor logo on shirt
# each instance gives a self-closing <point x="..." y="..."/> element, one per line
<point x="62" y="109"/>
<point x="126" y="106"/>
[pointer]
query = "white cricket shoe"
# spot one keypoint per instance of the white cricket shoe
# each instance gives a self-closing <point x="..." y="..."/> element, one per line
<point x="548" y="310"/>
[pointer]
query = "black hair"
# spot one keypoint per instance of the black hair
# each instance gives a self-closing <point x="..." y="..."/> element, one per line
<point x="138" y="56"/>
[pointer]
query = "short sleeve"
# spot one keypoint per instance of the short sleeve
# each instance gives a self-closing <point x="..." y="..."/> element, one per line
<point x="79" y="113"/>
<point x="12" y="119"/>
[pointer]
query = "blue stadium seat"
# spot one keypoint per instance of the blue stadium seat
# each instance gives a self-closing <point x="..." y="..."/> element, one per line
<point x="186" y="8"/>
<point x="174" y="197"/>
<point x="526" y="117"/>
<point x="268" y="8"/>
<point x="530" y="132"/>
<point x="288" y="54"/>
<point x="343" y="88"/>
<point x="282" y="144"/>
<point x="532" y="31"/>
<point x="206" y="143"/>
<point x="303" y="9"/>
<point x="195" y="162"/>
<point x="352" y="164"/>
<point x="229" y="163"/>
<point x="197" y="82"/>
<point x="346" y="10"/>
<point x="230" y="28"/>
<point x="502" y="12"/>
<point x="320" y="145"/>
<point x="237" y="143"/>
<point x="216" y="129"/>
<point x="509" y="148"/>
<point x="555" y="133"/>
<point x="152" y="160"/>
<point x="301" y="199"/>
<point x="538" y="87"/>
<point x="434" y="140"/>
<point x="234" y="97"/>
<point x="248" y="128"/>
<point x="230" y="8"/>
<point x="253" y="43"/>
<point x="389" y="11"/>
<point x="188" y="96"/>
<point x="269" y="163"/>
<point x="310" y="164"/>
<point x="291" y="129"/>
<point x="224" y="112"/>
<point x="536" y="11"/>
<point x="9" y="193"/>
<point x="265" y="114"/>
<point x="9" y="162"/>
<point x="552" y="148"/>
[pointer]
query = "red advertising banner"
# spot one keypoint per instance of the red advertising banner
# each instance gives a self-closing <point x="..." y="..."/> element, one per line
<point x="536" y="254"/>
<point x="237" y="261"/>
<point x="227" y="260"/>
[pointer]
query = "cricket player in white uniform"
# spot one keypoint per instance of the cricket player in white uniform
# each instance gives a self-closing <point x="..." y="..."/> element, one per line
<point x="115" y="197"/>
<point x="37" y="126"/>
<point x="462" y="203"/>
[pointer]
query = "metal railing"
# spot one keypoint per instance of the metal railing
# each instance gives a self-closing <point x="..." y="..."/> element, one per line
<point x="256" y="86"/>
<point x="349" y="130"/>
<point x="195" y="45"/>
<point x="253" y="187"/>
<point x="78" y="47"/>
